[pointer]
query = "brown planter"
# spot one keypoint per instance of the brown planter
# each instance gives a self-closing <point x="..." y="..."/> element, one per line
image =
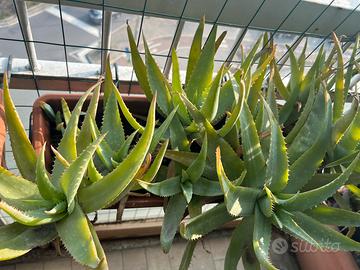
<point x="309" y="258"/>
<point x="2" y="130"/>
<point x="41" y="132"/>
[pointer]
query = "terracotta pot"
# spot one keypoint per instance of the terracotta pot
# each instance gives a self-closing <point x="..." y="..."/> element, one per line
<point x="2" y="130"/>
<point x="310" y="258"/>
<point x="41" y="131"/>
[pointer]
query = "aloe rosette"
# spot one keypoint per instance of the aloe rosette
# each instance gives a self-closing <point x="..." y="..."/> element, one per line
<point x="45" y="206"/>
<point x="281" y="161"/>
<point x="274" y="199"/>
<point x="219" y="104"/>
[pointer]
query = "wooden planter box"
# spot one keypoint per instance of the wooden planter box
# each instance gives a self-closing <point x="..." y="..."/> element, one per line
<point x="41" y="131"/>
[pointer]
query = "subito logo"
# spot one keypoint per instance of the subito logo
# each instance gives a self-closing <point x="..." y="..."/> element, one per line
<point x="279" y="246"/>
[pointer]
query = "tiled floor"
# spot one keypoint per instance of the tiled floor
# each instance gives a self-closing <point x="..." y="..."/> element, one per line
<point x="146" y="254"/>
<point x="127" y="255"/>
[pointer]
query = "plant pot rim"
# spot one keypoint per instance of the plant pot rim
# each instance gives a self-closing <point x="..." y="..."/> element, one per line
<point x="40" y="133"/>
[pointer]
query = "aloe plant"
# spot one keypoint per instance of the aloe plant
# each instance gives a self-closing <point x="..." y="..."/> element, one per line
<point x="45" y="206"/>
<point x="275" y="164"/>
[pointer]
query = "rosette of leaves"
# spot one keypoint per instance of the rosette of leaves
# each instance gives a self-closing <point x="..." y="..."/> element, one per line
<point x="45" y="206"/>
<point x="273" y="196"/>
<point x="192" y="176"/>
<point x="301" y="116"/>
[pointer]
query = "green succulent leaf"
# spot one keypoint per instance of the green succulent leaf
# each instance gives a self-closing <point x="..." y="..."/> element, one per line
<point x="252" y="152"/>
<point x="342" y="161"/>
<point x="261" y="239"/>
<point x="349" y="71"/>
<point x="16" y="187"/>
<point x="196" y="168"/>
<point x="160" y="131"/>
<point x="84" y="136"/>
<point x="351" y="137"/>
<point x="67" y="145"/>
<point x="240" y="201"/>
<point x="208" y="221"/>
<point x="326" y="237"/>
<point x="103" y="151"/>
<point x="246" y="65"/>
<point x="302" y="118"/>
<point x="187" y="255"/>
<point x="76" y="236"/>
<point x="103" y="192"/>
<point x="195" y="50"/>
<point x="124" y="149"/>
<point x="207" y="188"/>
<point x="334" y="216"/>
<point x="177" y="90"/>
<point x="249" y="260"/>
<point x="240" y="240"/>
<point x="311" y="198"/>
<point x="339" y="99"/>
<point x="233" y="119"/>
<point x="139" y="68"/>
<point x="310" y="131"/>
<point x="72" y="177"/>
<point x="284" y="92"/>
<point x="211" y="103"/>
<point x="174" y="213"/>
<point x="343" y="123"/>
<point x="292" y="227"/>
<point x="295" y="77"/>
<point x="17" y="239"/>
<point x="165" y="188"/>
<point x="65" y="110"/>
<point x="306" y="165"/>
<point x="201" y="74"/>
<point x="128" y="116"/>
<point x="187" y="190"/>
<point x="103" y="264"/>
<point x="277" y="164"/>
<point x="30" y="217"/>
<point x="187" y="158"/>
<point x="23" y="151"/>
<point x="157" y="81"/>
<point x="93" y="174"/>
<point x="155" y="166"/>
<point x="46" y="188"/>
<point x="111" y="123"/>
<point x="108" y="80"/>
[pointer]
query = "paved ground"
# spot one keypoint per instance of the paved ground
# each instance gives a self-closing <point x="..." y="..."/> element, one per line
<point x="146" y="254"/>
<point x="209" y="254"/>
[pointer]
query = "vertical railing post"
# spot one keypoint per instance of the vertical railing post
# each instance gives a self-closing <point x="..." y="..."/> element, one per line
<point x="25" y="25"/>
<point x="106" y="40"/>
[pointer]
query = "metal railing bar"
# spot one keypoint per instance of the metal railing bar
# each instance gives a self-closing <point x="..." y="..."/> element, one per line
<point x="64" y="45"/>
<point x="304" y="32"/>
<point x="180" y="57"/>
<point x="328" y="35"/>
<point x="175" y="40"/>
<point x="99" y="48"/>
<point x="137" y="42"/>
<point x="241" y="36"/>
<point x="106" y="38"/>
<point x="26" y="36"/>
<point x="102" y="35"/>
<point x="282" y="22"/>
<point x="167" y="16"/>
